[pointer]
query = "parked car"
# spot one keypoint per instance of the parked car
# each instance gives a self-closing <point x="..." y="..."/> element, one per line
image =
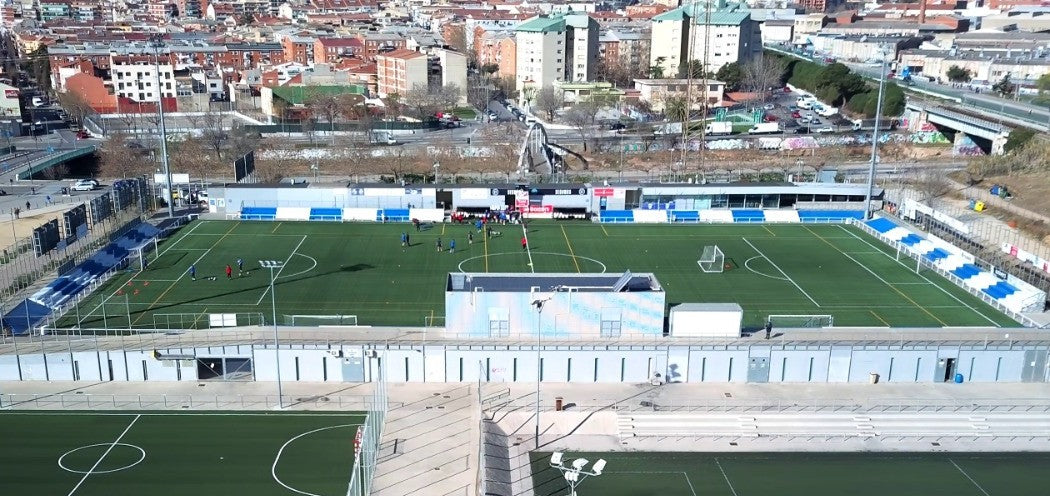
<point x="825" y="129"/>
<point x="805" y="120"/>
<point x="796" y="115"/>
<point x="769" y="106"/>
<point x="802" y="130"/>
<point x="770" y="118"/>
<point x="82" y="134"/>
<point x="815" y="121"/>
<point x="85" y="185"/>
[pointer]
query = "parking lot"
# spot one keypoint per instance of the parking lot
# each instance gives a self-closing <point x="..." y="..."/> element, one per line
<point x="795" y="120"/>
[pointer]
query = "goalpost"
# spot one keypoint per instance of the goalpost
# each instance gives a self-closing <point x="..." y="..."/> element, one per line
<point x="796" y="321"/>
<point x="138" y="256"/>
<point x="712" y="260"/>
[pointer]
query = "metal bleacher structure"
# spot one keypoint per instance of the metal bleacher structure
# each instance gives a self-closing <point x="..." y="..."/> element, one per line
<point x="56" y="297"/>
<point x="1013" y="297"/>
<point x="734" y="216"/>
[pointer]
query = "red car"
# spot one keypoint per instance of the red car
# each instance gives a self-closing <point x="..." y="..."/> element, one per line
<point x="82" y="135"/>
<point x="787" y="90"/>
<point x="770" y="118"/>
<point x="796" y="115"/>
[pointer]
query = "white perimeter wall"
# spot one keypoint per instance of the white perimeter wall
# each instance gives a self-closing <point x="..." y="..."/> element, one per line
<point x="759" y="363"/>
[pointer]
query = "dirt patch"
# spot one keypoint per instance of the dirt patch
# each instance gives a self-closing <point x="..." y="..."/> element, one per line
<point x="22" y="228"/>
<point x="1030" y="191"/>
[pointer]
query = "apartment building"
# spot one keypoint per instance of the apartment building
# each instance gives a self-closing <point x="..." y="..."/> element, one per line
<point x="498" y="48"/>
<point x="556" y="48"/>
<point x="298" y="48"/>
<point x="135" y="77"/>
<point x="330" y="50"/>
<point x="680" y="35"/>
<point x="628" y="50"/>
<point x="658" y="91"/>
<point x="807" y="26"/>
<point x="401" y="70"/>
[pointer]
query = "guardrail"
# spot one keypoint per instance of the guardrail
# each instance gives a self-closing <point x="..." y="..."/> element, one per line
<point x="53" y="159"/>
<point x="182" y="401"/>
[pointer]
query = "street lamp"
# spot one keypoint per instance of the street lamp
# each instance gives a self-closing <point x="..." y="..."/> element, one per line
<point x="156" y="41"/>
<point x="574" y="474"/>
<point x="798" y="165"/>
<point x="538" y="305"/>
<point x="436" y="166"/>
<point x="884" y="55"/>
<point x="275" y="264"/>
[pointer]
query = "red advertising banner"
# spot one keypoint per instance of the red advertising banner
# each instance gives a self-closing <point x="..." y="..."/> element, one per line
<point x="10" y="93"/>
<point x="603" y="192"/>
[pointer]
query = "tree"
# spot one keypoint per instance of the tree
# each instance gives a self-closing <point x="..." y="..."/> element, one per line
<point x="75" y="106"/>
<point x="676" y="109"/>
<point x="117" y="158"/>
<point x="932" y="184"/>
<point x="38" y="64"/>
<point x="761" y="74"/>
<point x="957" y="74"/>
<point x="1004" y="87"/>
<point x="325" y="106"/>
<point x="1018" y="138"/>
<point x="695" y="69"/>
<point x="448" y="96"/>
<point x="275" y="160"/>
<point x="656" y="71"/>
<point x="246" y="19"/>
<point x="549" y="100"/>
<point x="421" y="101"/>
<point x="581" y="116"/>
<point x="732" y="75"/>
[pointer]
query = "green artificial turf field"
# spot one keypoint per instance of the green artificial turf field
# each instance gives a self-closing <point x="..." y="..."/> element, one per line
<point x="362" y="270"/>
<point x="802" y="474"/>
<point x="178" y="453"/>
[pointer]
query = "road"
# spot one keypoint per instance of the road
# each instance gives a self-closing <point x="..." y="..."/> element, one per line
<point x="1009" y="111"/>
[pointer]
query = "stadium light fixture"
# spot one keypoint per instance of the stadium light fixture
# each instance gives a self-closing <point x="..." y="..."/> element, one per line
<point x="575" y="473"/>
<point x="157" y="42"/>
<point x="884" y="54"/>
<point x="272" y="265"/>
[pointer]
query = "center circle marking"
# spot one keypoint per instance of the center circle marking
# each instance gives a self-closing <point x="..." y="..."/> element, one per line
<point x="142" y="456"/>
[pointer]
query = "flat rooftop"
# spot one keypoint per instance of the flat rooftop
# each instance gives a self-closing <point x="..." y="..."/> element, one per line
<point x="524" y="283"/>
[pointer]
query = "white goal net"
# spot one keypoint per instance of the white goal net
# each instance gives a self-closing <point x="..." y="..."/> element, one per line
<point x="320" y="320"/>
<point x="712" y="259"/>
<point x="796" y="321"/>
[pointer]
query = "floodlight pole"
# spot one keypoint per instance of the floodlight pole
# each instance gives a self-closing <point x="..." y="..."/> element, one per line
<point x="157" y="42"/>
<point x="539" y="323"/>
<point x="275" y="264"/>
<point x="883" y="54"/>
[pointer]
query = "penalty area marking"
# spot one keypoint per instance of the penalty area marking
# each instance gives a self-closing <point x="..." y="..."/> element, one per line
<point x="273" y="469"/>
<point x="142" y="456"/>
<point x="574" y="257"/>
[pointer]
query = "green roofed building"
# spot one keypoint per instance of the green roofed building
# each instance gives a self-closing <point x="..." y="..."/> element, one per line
<point x="278" y="101"/>
<point x="680" y="35"/>
<point x="556" y="48"/>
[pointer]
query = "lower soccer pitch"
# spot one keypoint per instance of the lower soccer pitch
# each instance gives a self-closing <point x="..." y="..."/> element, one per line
<point x="802" y="474"/>
<point x="177" y="453"/>
<point x="363" y="270"/>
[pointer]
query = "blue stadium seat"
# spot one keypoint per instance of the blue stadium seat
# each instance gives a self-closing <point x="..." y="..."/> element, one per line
<point x="258" y="213"/>
<point x="882" y="224"/>
<point x="685" y="216"/>
<point x="326" y="214"/>
<point x="966" y="271"/>
<point x="748" y="216"/>
<point x="830" y="215"/>
<point x="617" y="216"/>
<point x="911" y="239"/>
<point x="937" y="254"/>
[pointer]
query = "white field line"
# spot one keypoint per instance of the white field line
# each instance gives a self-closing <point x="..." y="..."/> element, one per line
<point x="278" y="274"/>
<point x="177" y="241"/>
<point x="968" y="477"/>
<point x="103" y="457"/>
<point x="775" y="266"/>
<point x="273" y="468"/>
<point x="114" y="293"/>
<point x="528" y="246"/>
<point x="720" y="469"/>
<point x="945" y="291"/>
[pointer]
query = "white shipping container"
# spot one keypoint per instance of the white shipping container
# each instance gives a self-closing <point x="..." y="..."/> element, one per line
<point x="715" y="320"/>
